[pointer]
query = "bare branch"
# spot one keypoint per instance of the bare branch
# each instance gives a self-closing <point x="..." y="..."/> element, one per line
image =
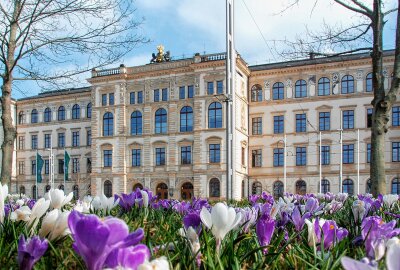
<point x="361" y="11"/>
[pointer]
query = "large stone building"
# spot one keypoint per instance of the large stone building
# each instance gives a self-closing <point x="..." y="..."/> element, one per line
<point x="162" y="126"/>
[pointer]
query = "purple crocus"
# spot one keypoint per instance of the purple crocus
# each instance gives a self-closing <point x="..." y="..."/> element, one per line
<point x="30" y="251"/>
<point x="95" y="240"/>
<point x="265" y="227"/>
<point x="192" y="220"/>
<point x="128" y="258"/>
<point x="126" y="201"/>
<point x="375" y="234"/>
<point x="299" y="220"/>
<point x="332" y="234"/>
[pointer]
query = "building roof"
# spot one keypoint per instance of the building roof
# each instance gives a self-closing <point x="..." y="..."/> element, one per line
<point x="60" y="92"/>
<point x="316" y="60"/>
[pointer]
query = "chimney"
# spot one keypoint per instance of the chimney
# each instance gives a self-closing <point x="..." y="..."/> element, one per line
<point x="312" y="55"/>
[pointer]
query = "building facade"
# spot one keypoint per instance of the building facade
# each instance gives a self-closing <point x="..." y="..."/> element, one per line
<point x="162" y="126"/>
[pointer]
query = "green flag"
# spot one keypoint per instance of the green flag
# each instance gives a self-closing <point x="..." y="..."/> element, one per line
<point x="66" y="164"/>
<point x="39" y="166"/>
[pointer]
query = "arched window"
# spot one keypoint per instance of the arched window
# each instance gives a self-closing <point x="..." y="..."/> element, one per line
<point x="256" y="93"/>
<point x="368" y="83"/>
<point x="34" y="116"/>
<point x="89" y="110"/>
<point x="75" y="191"/>
<point x="108" y="189"/>
<point x="137" y="186"/>
<point x="161" y="121"/>
<point x="61" y="113"/>
<point x="108" y="124"/>
<point x="347" y="84"/>
<point x="214" y="187"/>
<point x="47" y="115"/>
<point x="278" y="91"/>
<point x="22" y="190"/>
<point x="61" y="187"/>
<point x="301" y="187"/>
<point x="256" y="188"/>
<point x="300" y="89"/>
<point x="187" y="191"/>
<point x="395" y="189"/>
<point x="186" y="119"/>
<point x="324" y="87"/>
<point x="47" y="188"/>
<point x="368" y="186"/>
<point x="34" y="192"/>
<point x="162" y="191"/>
<point x="21" y="117"/>
<point x="278" y="189"/>
<point x="215" y="115"/>
<point x="136" y="123"/>
<point x="325" y="186"/>
<point x="348" y="186"/>
<point x="76" y="112"/>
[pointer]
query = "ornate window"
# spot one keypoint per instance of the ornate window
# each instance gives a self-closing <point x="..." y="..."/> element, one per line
<point x="76" y="112"/>
<point x="47" y="115"/>
<point x="256" y="188"/>
<point x="301" y="187"/>
<point x="61" y="113"/>
<point x="21" y="118"/>
<point x="325" y="186"/>
<point x="256" y="93"/>
<point x="300" y="89"/>
<point x="348" y="186"/>
<point x="161" y="121"/>
<point x="34" y="116"/>
<point x="215" y="115"/>
<point x="278" y="189"/>
<point x="187" y="191"/>
<point x="347" y="84"/>
<point x="75" y="191"/>
<point x="324" y="86"/>
<point x="214" y="187"/>
<point x="136" y="123"/>
<point x="368" y="83"/>
<point x="108" y="124"/>
<point x="278" y="91"/>
<point x="395" y="189"/>
<point x="162" y="191"/>
<point x="89" y="110"/>
<point x="108" y="188"/>
<point x="186" y="119"/>
<point x="22" y="190"/>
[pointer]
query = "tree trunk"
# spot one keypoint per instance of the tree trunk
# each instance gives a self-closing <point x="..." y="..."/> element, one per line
<point x="380" y="116"/>
<point x="9" y="129"/>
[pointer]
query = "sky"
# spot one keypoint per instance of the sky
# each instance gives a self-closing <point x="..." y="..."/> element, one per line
<point x="186" y="27"/>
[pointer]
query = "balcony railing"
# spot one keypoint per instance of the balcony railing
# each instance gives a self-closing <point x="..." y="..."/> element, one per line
<point x="213" y="57"/>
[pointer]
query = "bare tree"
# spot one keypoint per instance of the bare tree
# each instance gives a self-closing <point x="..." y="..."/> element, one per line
<point x="54" y="40"/>
<point x="364" y="35"/>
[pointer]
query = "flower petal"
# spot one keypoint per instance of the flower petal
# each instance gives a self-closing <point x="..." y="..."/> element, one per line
<point x="205" y="217"/>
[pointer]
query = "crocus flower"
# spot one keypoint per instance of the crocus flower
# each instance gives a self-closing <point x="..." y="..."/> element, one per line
<point x="358" y="209"/>
<point x="192" y="220"/>
<point x="3" y="196"/>
<point x="221" y="220"/>
<point x="156" y="264"/>
<point x="249" y="218"/>
<point x="375" y="234"/>
<point x="104" y="203"/>
<point x="96" y="239"/>
<point x="30" y="251"/>
<point x="392" y="260"/>
<point x="58" y="199"/>
<point x="194" y="242"/>
<point x="327" y="229"/>
<point x="265" y="227"/>
<point x="390" y="199"/>
<point x="38" y="210"/>
<point x="299" y="220"/>
<point x="341" y="197"/>
<point x="128" y="258"/>
<point x="126" y="201"/>
<point x="21" y="214"/>
<point x="54" y="224"/>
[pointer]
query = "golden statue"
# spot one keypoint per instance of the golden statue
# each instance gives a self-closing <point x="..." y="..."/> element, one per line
<point x="161" y="56"/>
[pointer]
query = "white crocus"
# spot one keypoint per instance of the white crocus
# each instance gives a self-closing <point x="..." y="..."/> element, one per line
<point x="104" y="203"/>
<point x="156" y="264"/>
<point x="358" y="209"/>
<point x="21" y="214"/>
<point x="58" y="198"/>
<point x="145" y="198"/>
<point x="221" y="220"/>
<point x="55" y="224"/>
<point x="312" y="237"/>
<point x="82" y="206"/>
<point x="193" y="238"/>
<point x="38" y="210"/>
<point x="20" y="202"/>
<point x="3" y="196"/>
<point x="390" y="199"/>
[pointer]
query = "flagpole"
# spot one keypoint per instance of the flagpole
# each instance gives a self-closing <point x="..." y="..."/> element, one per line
<point x="65" y="171"/>
<point x="36" y="169"/>
<point x="320" y="162"/>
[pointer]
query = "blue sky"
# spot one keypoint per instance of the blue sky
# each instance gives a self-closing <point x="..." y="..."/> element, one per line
<point x="185" y="27"/>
